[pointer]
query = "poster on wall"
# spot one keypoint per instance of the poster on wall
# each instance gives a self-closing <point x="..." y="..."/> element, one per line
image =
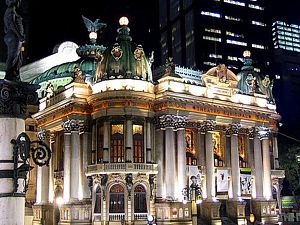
<point x="222" y="181"/>
<point x="194" y="171"/>
<point x="246" y="184"/>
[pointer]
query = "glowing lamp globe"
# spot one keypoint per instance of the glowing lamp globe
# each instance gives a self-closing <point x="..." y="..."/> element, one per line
<point x="252" y="218"/>
<point x="246" y="53"/>
<point x="150" y="218"/>
<point x="123" y="21"/>
<point x="93" y="35"/>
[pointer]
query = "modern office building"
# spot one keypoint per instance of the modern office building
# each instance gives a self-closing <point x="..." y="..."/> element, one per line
<point x="202" y="34"/>
<point x="126" y="145"/>
<point x="286" y="44"/>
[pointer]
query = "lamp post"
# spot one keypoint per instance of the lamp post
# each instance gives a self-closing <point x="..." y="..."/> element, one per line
<point x="193" y="193"/>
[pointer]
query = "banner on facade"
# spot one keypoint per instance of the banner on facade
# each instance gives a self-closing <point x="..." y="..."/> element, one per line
<point x="246" y="182"/>
<point x="194" y="171"/>
<point x="222" y="181"/>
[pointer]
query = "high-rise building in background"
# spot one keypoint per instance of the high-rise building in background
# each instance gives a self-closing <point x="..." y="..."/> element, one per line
<point x="205" y="33"/>
<point x="286" y="43"/>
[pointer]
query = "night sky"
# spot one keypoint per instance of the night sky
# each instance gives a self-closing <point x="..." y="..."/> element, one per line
<point x="52" y="22"/>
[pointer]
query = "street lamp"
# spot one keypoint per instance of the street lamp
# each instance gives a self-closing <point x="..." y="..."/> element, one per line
<point x="194" y="194"/>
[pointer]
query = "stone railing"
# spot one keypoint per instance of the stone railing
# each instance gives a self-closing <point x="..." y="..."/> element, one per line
<point x="278" y="173"/>
<point x="140" y="216"/>
<point x="116" y="216"/>
<point x="122" y="167"/>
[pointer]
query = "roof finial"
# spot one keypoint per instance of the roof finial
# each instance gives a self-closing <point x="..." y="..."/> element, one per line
<point x="93" y="27"/>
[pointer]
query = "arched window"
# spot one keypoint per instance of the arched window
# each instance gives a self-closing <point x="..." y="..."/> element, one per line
<point x="117" y="143"/>
<point x="140" y="200"/>
<point x="97" y="208"/>
<point x="116" y="199"/>
<point x="138" y="144"/>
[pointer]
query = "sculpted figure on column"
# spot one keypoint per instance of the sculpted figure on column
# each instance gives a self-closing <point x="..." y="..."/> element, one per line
<point x="13" y="38"/>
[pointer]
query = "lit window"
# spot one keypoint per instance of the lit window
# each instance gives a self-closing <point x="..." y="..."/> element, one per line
<point x="212" y="38"/>
<point x="138" y="144"/>
<point x="228" y="33"/>
<point x="232" y="18"/>
<point x="209" y="63"/>
<point x="234" y="42"/>
<point x="235" y="2"/>
<point x="211" y="30"/>
<point x="232" y="58"/>
<point x="205" y="13"/>
<point x="258" y="46"/>
<point x="256" y="7"/>
<point x="117" y="143"/>
<point x="258" y="23"/>
<point x="215" y="56"/>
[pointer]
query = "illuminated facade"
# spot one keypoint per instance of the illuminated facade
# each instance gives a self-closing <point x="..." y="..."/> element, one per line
<point x="125" y="145"/>
<point x="204" y="33"/>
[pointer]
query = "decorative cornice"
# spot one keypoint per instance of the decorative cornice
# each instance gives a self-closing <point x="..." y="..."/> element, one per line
<point x="15" y="96"/>
<point x="262" y="132"/>
<point x="233" y="129"/>
<point x="71" y="125"/>
<point x="171" y="121"/>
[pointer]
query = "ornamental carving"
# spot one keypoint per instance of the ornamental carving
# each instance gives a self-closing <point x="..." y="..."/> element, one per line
<point x="41" y="135"/>
<point x="116" y="52"/>
<point x="233" y="129"/>
<point x="139" y="52"/>
<point x="207" y="125"/>
<point x="78" y="75"/>
<point x="15" y="96"/>
<point x="251" y="132"/>
<point x="71" y="125"/>
<point x="262" y="132"/>
<point x="171" y="121"/>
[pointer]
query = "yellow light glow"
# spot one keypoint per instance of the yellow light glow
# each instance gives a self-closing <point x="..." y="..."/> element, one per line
<point x="246" y="53"/>
<point x="123" y="21"/>
<point x="93" y="35"/>
<point x="59" y="201"/>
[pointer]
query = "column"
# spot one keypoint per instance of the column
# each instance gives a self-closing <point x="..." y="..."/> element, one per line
<point x="42" y="191"/>
<point x="67" y="160"/>
<point x="201" y="148"/>
<point x="106" y="142"/>
<point x="129" y="141"/>
<point x="51" y="175"/>
<point x="275" y="151"/>
<point x="159" y="143"/>
<point x="210" y="174"/>
<point x="181" y="164"/>
<point x="148" y="142"/>
<point x="86" y="148"/>
<point x="258" y="167"/>
<point x="267" y="187"/>
<point x="94" y="145"/>
<point x="235" y="163"/>
<point x="76" y="161"/>
<point x="170" y="172"/>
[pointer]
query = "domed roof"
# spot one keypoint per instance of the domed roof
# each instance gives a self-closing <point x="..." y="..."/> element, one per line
<point x="124" y="59"/>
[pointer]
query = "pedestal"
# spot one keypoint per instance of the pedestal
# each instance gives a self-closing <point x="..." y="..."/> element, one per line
<point x="236" y="212"/>
<point x="265" y="211"/>
<point x="43" y="214"/>
<point x="14" y="98"/>
<point x="210" y="212"/>
<point x="76" y="213"/>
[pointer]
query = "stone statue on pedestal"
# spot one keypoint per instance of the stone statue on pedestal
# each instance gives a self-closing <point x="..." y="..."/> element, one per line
<point x="14" y="38"/>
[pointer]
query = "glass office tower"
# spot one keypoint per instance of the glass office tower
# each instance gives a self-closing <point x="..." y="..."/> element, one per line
<point x="205" y="33"/>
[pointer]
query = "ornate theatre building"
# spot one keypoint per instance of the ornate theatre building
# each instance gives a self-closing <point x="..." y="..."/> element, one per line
<point x="177" y="144"/>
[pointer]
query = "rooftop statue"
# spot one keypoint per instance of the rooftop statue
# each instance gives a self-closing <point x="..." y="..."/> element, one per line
<point x="14" y="38"/>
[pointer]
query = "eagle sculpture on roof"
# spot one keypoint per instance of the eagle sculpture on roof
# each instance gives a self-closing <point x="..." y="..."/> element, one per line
<point x="93" y="26"/>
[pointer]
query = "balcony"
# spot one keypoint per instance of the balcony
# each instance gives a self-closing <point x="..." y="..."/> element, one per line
<point x="122" y="168"/>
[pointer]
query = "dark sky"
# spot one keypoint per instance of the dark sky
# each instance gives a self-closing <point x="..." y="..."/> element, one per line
<point x="51" y="22"/>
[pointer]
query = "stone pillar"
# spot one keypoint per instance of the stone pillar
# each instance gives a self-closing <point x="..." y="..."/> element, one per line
<point x="106" y="142"/>
<point x="258" y="167"/>
<point x="42" y="182"/>
<point x="129" y="141"/>
<point x="148" y="143"/>
<point x="201" y="148"/>
<point x="170" y="165"/>
<point x="181" y="164"/>
<point x="14" y="98"/>
<point x="51" y="174"/>
<point x="86" y="149"/>
<point x="235" y="163"/>
<point x="275" y="151"/>
<point x="12" y="208"/>
<point x="94" y="150"/>
<point x="208" y="127"/>
<point x="159" y="143"/>
<point x="267" y="187"/>
<point x="67" y="160"/>
<point x="76" y="162"/>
